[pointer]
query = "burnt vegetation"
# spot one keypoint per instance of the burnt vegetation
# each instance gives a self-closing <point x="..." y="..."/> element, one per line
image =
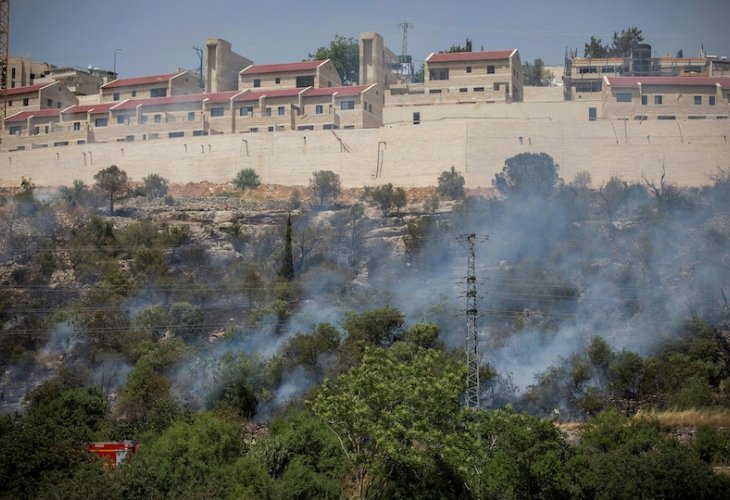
<point x="311" y="347"/>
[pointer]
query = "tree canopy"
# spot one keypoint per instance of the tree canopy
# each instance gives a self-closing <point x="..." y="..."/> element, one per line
<point x="621" y="45"/>
<point x="113" y="182"/>
<point x="528" y="174"/>
<point x="325" y="185"/>
<point x="345" y="55"/>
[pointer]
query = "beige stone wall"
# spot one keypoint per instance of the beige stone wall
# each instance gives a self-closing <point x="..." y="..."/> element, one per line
<point x="476" y="142"/>
<point x="222" y="66"/>
<point x="57" y="96"/>
<point x="324" y="76"/>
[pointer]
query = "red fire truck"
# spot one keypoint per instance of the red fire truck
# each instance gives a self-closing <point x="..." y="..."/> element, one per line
<point x="113" y="452"/>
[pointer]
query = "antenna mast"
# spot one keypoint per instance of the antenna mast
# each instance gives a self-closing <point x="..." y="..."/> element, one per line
<point x="405" y="26"/>
<point x="471" y="400"/>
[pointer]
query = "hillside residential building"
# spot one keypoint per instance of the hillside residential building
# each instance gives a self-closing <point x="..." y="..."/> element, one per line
<point x="317" y="74"/>
<point x="165" y="85"/>
<point x="464" y="77"/>
<point x="222" y="66"/>
<point x="583" y="76"/>
<point x="666" y="98"/>
<point x="22" y="71"/>
<point x="191" y="115"/>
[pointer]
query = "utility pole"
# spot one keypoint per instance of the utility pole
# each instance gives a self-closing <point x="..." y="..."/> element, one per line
<point x="471" y="399"/>
<point x="200" y="56"/>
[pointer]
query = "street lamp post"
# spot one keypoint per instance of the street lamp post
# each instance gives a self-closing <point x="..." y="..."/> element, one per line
<point x="114" y="70"/>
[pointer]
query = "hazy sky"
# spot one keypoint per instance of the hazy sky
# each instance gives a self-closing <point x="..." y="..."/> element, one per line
<point x="156" y="36"/>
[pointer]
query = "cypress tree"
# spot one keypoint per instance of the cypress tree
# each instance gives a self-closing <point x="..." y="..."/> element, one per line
<point x="287" y="266"/>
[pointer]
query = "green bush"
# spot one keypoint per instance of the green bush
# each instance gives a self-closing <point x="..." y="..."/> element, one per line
<point x="247" y="178"/>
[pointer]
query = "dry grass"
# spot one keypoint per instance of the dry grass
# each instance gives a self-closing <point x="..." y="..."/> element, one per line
<point x="688" y="418"/>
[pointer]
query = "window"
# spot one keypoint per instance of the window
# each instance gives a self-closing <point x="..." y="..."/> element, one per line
<point x="60" y="143"/>
<point x="277" y="80"/>
<point x="347" y="105"/>
<point x="143" y="119"/>
<point x="490" y="69"/>
<point x="416" y="118"/>
<point x="58" y="105"/>
<point x="158" y="118"/>
<point x="134" y="93"/>
<point x="592" y="114"/>
<point x="711" y="100"/>
<point x="657" y="99"/>
<point x="463" y="89"/>
<point x="623" y="97"/>
<point x="49" y="103"/>
<point x="120" y="120"/>
<point x="245" y="111"/>
<point x="77" y="125"/>
<point x="158" y="93"/>
<point x="438" y="74"/>
<point x="281" y="111"/>
<point x="267" y="112"/>
<point x="129" y="138"/>
<point x="101" y="122"/>
<point x="15" y="130"/>
<point x="666" y="117"/>
<point x="644" y="100"/>
<point x="25" y="101"/>
<point x="191" y="116"/>
<point x="478" y="89"/>
<point x="218" y="111"/>
<point x="176" y="134"/>
<point x="257" y="82"/>
<point x="696" y="117"/>
<point x="305" y="81"/>
<point x="698" y="100"/>
<point x="253" y="129"/>
<point x="434" y="91"/>
<point x="271" y="128"/>
<point x="318" y="109"/>
<point x="370" y="108"/>
<point x="116" y="96"/>
<point x="468" y="69"/>
<point x="588" y="86"/>
<point x="198" y="133"/>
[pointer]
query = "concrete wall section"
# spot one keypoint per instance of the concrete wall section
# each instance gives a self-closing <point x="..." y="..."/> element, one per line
<point x="410" y="155"/>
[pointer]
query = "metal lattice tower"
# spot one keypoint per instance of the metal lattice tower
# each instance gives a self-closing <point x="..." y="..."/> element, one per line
<point x="405" y="26"/>
<point x="4" y="57"/>
<point x="471" y="400"/>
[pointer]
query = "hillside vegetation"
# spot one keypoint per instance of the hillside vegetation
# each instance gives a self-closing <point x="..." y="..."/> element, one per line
<point x="309" y="344"/>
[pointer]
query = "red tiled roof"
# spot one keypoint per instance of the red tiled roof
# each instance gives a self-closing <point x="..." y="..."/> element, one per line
<point x="221" y="97"/>
<point x="96" y="108"/>
<point x="142" y="80"/>
<point x="255" y="96"/>
<point x="260" y="69"/>
<point x="159" y="101"/>
<point x="470" y="56"/>
<point x="28" y="89"/>
<point x="345" y="91"/>
<point x="24" y="115"/>
<point x="694" y="81"/>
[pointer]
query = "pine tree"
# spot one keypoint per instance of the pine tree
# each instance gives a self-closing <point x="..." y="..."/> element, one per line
<point x="287" y="265"/>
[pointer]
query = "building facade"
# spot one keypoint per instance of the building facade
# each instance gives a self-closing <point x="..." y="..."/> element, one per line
<point x="666" y="98"/>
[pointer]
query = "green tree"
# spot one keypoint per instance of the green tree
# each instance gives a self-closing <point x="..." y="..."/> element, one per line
<point x="458" y="48"/>
<point x="113" y="182"/>
<point x="451" y="184"/>
<point x="247" y="178"/>
<point x="625" y="41"/>
<point x="76" y="195"/>
<point x="528" y="174"/>
<point x="594" y="48"/>
<point x="536" y="74"/>
<point x="345" y="55"/>
<point x="189" y="460"/>
<point x="386" y="197"/>
<point x="325" y="185"/>
<point x="396" y="407"/>
<point x="286" y="270"/>
<point x="187" y="320"/>
<point x="155" y="186"/>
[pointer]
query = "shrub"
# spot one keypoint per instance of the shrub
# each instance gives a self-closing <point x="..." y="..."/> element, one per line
<point x="155" y="186"/>
<point x="247" y="178"/>
<point x="451" y="184"/>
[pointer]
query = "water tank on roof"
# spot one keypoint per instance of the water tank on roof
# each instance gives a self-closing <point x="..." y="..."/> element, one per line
<point x="641" y="59"/>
